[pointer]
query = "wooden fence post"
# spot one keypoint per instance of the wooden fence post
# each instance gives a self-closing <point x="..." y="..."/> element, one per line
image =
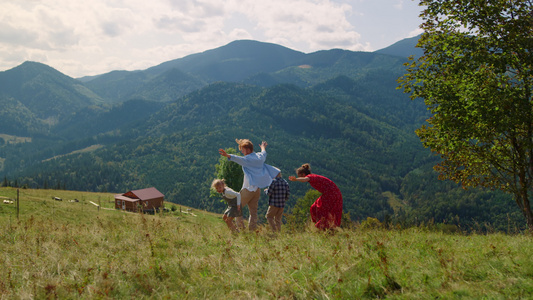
<point x="18" y="205"/>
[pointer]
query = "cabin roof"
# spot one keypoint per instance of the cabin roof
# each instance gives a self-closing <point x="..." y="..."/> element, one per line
<point x="143" y="194"/>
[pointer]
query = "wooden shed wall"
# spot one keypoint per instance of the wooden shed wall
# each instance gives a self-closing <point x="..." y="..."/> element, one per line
<point x="151" y="204"/>
<point x="129" y="205"/>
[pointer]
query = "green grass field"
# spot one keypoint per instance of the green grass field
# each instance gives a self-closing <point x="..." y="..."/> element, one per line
<point x="66" y="250"/>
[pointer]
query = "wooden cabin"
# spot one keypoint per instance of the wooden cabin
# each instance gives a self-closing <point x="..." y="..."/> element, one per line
<point x="146" y="200"/>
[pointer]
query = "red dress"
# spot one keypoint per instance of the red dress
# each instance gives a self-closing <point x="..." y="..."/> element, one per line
<point x="326" y="212"/>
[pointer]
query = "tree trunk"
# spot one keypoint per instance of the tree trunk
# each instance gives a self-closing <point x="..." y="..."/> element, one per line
<point x="529" y="215"/>
<point x="526" y="208"/>
<point x="522" y="195"/>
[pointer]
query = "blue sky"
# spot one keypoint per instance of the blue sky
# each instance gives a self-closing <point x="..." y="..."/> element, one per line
<point x="81" y="38"/>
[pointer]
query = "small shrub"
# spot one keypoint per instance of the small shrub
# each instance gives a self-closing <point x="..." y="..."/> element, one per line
<point x="371" y="223"/>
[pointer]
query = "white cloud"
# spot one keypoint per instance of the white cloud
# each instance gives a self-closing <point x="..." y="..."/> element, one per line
<point x="92" y="37"/>
<point x="17" y="36"/>
<point x="415" y="32"/>
<point x="399" y="4"/>
<point x="240" y="34"/>
<point x="313" y="25"/>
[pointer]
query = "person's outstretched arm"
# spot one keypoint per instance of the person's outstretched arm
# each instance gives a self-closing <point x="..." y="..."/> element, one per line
<point x="299" y="179"/>
<point x="263" y="146"/>
<point x="223" y="153"/>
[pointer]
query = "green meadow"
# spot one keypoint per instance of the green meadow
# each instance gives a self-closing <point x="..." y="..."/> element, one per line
<point x="77" y="250"/>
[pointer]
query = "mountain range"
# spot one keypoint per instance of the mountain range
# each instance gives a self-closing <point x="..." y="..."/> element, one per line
<point x="338" y="110"/>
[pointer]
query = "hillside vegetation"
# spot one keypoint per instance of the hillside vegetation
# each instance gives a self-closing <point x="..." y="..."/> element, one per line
<point x="65" y="250"/>
<point x="335" y="109"/>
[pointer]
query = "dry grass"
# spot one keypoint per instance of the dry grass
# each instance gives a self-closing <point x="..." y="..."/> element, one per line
<point x="84" y="150"/>
<point x="11" y="139"/>
<point x="72" y="250"/>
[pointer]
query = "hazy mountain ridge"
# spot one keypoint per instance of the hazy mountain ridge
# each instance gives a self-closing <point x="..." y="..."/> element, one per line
<point x="46" y="92"/>
<point x="403" y="48"/>
<point x="239" y="61"/>
<point x="35" y="97"/>
<point x="234" y="61"/>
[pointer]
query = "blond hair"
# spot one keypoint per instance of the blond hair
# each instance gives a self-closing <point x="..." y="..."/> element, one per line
<point x="245" y="143"/>
<point x="218" y="182"/>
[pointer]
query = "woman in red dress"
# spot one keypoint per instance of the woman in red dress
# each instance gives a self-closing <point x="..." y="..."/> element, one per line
<point x="326" y="212"/>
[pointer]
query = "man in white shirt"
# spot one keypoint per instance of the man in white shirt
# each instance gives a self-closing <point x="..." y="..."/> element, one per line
<point x="257" y="175"/>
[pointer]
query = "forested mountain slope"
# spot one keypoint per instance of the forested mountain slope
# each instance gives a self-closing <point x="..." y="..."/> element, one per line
<point x="176" y="148"/>
<point x="338" y="110"/>
<point x="34" y="97"/>
<point x="403" y="48"/>
<point x="252" y="62"/>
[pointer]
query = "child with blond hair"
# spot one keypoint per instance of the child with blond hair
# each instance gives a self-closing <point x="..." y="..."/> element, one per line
<point x="233" y="199"/>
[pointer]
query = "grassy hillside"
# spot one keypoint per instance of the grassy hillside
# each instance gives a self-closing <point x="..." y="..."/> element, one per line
<point x="60" y="249"/>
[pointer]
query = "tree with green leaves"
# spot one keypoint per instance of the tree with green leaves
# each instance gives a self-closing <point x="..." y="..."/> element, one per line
<point x="231" y="172"/>
<point x="476" y="77"/>
<point x="299" y="216"/>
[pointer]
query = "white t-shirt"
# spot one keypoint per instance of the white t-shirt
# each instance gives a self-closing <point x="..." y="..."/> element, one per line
<point x="246" y="184"/>
<point x="228" y="192"/>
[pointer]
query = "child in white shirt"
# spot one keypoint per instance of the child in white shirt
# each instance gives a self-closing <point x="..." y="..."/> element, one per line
<point x="233" y="199"/>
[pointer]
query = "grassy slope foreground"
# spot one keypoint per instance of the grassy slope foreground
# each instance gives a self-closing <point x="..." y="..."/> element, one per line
<point x="60" y="249"/>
